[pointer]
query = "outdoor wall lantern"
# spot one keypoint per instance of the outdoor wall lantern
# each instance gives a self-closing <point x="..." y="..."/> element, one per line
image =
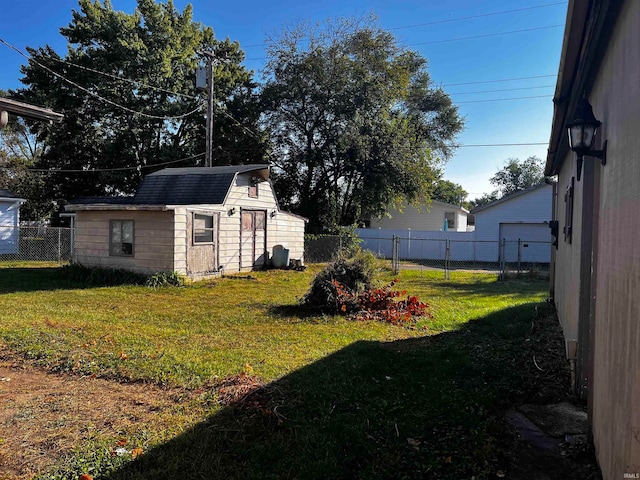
<point x="582" y="133"/>
<point x="231" y="211"/>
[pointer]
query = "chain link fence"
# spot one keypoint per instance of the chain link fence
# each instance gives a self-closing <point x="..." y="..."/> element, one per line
<point x="504" y="258"/>
<point x="36" y="243"/>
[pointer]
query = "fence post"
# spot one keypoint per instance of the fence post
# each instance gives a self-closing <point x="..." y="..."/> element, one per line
<point x="59" y="246"/>
<point x="519" y="253"/>
<point x="447" y="259"/>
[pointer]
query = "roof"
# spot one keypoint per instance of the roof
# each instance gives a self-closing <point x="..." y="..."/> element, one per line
<point x="588" y="29"/>
<point x="182" y="186"/>
<point x="7" y="195"/>
<point x="508" y="198"/>
<point x="30" y="111"/>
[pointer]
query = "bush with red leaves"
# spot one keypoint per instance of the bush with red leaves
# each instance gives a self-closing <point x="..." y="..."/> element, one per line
<point x="381" y="304"/>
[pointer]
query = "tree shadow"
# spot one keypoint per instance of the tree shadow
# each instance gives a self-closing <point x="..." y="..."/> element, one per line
<point x="427" y="407"/>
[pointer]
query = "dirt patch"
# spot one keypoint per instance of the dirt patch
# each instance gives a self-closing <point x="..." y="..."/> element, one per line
<point x="44" y="416"/>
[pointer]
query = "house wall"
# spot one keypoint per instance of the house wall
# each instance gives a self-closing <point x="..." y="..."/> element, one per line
<point x="533" y="207"/>
<point x="615" y="97"/>
<point x="429" y="218"/>
<point x="153" y="240"/>
<point x="282" y="228"/>
<point x="9" y="221"/>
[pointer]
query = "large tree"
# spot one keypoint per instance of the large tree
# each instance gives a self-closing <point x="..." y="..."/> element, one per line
<point x="514" y="176"/>
<point x="146" y="111"/>
<point x="356" y="121"/>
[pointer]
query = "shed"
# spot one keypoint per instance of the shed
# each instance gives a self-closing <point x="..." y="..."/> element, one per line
<point x="9" y="221"/>
<point x="521" y="220"/>
<point x="197" y="221"/>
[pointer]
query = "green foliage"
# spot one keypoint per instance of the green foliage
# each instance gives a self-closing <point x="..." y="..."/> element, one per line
<point x="173" y="279"/>
<point x="356" y="121"/>
<point x="518" y="175"/>
<point x="354" y="274"/>
<point x="449" y="192"/>
<point x="156" y="46"/>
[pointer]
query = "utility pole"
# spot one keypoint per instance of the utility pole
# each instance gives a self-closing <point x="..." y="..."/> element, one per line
<point x="210" y="58"/>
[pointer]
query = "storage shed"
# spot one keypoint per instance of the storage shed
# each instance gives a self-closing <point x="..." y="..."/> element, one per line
<point x="9" y="221"/>
<point x="198" y="221"/>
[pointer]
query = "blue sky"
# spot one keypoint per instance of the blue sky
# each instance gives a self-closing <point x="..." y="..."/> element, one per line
<point x="533" y="51"/>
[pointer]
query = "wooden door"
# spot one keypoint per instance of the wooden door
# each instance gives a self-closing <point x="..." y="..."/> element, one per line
<point x="253" y="239"/>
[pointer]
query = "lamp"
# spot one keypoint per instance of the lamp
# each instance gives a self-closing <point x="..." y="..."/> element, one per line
<point x="582" y="133"/>
<point x="231" y="211"/>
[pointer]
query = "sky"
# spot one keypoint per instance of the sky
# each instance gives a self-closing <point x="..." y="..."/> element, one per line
<point x="487" y="54"/>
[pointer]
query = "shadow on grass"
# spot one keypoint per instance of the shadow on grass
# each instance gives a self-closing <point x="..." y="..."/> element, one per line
<point x="64" y="277"/>
<point x="517" y="287"/>
<point x="429" y="407"/>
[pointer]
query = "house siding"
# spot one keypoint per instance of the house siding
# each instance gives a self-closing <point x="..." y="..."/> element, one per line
<point x="615" y="97"/>
<point x="530" y="208"/>
<point x="153" y="240"/>
<point x="429" y="218"/>
<point x="9" y="221"/>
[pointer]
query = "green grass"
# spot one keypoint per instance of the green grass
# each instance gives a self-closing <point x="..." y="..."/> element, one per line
<point x="353" y="399"/>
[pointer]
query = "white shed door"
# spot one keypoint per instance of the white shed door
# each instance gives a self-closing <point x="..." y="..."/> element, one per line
<point x="253" y="239"/>
<point x="534" y="242"/>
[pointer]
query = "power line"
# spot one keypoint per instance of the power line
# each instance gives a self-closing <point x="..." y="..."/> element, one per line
<point x="487" y="35"/>
<point x="115" y="169"/>
<point x="501" y="90"/>
<point x="482" y="15"/>
<point x="95" y="95"/>
<point x="451" y="20"/>
<point x="499" y="80"/>
<point x="123" y="79"/>
<point x="502" y="144"/>
<point x="504" y="99"/>
<point x="463" y="38"/>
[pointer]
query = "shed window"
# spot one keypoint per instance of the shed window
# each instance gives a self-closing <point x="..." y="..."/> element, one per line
<point x="121" y="238"/>
<point x="450" y="218"/>
<point x="202" y="228"/>
<point x="253" y="191"/>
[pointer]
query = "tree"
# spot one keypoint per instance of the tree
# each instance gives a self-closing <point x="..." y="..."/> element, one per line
<point x="146" y="112"/>
<point x="485" y="199"/>
<point x="355" y="120"/>
<point x="449" y="192"/>
<point x="20" y="149"/>
<point x="518" y="175"/>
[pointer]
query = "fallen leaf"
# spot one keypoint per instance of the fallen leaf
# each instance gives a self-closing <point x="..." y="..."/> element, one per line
<point x="123" y="356"/>
<point x="413" y="442"/>
<point x="500" y="474"/>
<point x="136" y="452"/>
<point x="85" y="476"/>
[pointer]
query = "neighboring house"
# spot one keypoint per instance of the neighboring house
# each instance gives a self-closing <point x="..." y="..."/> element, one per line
<point x="522" y="221"/>
<point x="9" y="221"/>
<point x="596" y="279"/>
<point x="434" y="217"/>
<point x="195" y="221"/>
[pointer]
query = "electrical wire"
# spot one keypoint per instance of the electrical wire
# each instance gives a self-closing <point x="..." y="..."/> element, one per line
<point x="451" y="20"/>
<point x="95" y="95"/>
<point x="123" y="79"/>
<point x="499" y="80"/>
<point x="115" y="169"/>
<point x="503" y="99"/>
<point x="462" y="38"/>
<point x="501" y="90"/>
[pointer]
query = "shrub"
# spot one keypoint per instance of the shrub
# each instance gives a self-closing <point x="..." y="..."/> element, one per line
<point x="354" y="274"/>
<point x="173" y="279"/>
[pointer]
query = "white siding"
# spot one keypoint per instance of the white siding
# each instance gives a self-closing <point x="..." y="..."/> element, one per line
<point x="531" y="207"/>
<point x="9" y="221"/>
<point x="429" y="218"/>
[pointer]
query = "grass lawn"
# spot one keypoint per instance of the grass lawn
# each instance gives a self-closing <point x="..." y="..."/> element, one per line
<point x="337" y="399"/>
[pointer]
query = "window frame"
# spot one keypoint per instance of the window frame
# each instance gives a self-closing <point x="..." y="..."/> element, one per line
<point x="453" y="214"/>
<point x="210" y="229"/>
<point x="116" y="248"/>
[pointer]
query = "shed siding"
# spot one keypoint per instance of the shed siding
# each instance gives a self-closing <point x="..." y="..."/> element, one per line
<point x="9" y="221"/>
<point x="429" y="218"/>
<point x="153" y="240"/>
<point x="616" y="378"/>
